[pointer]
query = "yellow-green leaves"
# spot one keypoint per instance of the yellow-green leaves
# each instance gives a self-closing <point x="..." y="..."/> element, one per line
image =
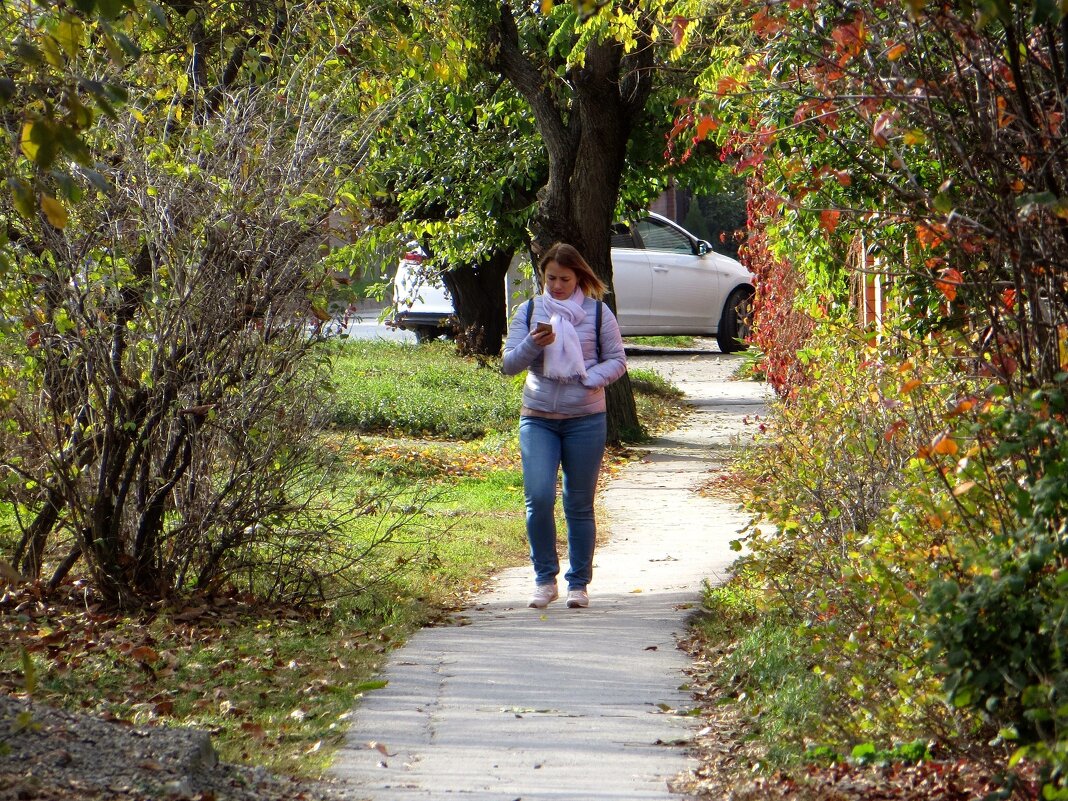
<point x="27" y="143"/>
<point x="39" y="142"/>
<point x="22" y="195"/>
<point x="53" y="211"/>
<point x="68" y="34"/>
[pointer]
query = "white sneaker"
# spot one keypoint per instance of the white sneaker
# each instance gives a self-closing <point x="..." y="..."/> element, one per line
<point x="577" y="599"/>
<point x="544" y="594"/>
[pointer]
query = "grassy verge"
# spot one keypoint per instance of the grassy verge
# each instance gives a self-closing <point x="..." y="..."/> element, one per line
<point x="418" y="433"/>
<point x="662" y="341"/>
<point x="761" y="670"/>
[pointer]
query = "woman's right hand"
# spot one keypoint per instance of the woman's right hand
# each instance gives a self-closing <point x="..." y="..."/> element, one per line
<point x="543" y="338"/>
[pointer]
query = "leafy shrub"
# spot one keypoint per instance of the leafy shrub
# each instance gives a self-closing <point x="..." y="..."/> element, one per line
<point x="911" y="518"/>
<point x="840" y="538"/>
<point x="999" y="628"/>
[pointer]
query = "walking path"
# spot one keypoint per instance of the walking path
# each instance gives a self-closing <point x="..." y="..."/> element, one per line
<point x="567" y="704"/>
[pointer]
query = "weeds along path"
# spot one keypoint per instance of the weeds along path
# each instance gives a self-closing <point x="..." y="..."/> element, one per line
<point x="517" y="703"/>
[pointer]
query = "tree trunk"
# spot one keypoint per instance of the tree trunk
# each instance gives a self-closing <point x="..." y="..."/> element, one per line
<point x="29" y="555"/>
<point x="480" y="300"/>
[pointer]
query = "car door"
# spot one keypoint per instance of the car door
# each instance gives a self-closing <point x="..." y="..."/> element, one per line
<point x="685" y="284"/>
<point x="632" y="280"/>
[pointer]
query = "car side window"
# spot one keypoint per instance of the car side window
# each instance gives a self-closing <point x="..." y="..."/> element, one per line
<point x="656" y="235"/>
<point x="622" y="236"/>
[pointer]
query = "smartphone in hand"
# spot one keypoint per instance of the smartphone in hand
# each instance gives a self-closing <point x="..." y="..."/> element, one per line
<point x="543" y="328"/>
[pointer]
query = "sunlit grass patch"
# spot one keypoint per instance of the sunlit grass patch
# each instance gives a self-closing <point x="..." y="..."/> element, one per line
<point x="423" y="390"/>
<point x="673" y="341"/>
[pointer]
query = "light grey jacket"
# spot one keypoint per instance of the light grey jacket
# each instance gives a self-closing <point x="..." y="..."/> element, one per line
<point x="560" y="397"/>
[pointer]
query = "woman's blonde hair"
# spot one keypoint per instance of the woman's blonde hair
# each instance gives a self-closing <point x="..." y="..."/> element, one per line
<point x="568" y="256"/>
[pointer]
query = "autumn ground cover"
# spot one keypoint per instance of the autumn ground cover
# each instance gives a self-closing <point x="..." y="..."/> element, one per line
<point x="275" y="682"/>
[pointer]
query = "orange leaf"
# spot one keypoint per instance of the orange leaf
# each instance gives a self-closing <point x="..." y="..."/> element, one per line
<point x="882" y="128"/>
<point x="930" y="235"/>
<point x="850" y="39"/>
<point x="948" y="282"/>
<point x="910" y="385"/>
<point x="962" y="406"/>
<point x="765" y="25"/>
<point x="727" y="85"/>
<point x="896" y="52"/>
<point x="944" y="445"/>
<point x="705" y="125"/>
<point x="893" y="429"/>
<point x="1004" y="118"/>
<point x="144" y="654"/>
<point x="829" y="220"/>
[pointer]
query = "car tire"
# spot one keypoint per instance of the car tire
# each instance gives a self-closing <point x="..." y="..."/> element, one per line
<point x="426" y="333"/>
<point x="734" y="324"/>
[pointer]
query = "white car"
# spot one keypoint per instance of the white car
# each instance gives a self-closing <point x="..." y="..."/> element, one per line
<point x="666" y="280"/>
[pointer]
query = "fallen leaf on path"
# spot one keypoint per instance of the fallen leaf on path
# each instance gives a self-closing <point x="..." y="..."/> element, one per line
<point x="381" y="748"/>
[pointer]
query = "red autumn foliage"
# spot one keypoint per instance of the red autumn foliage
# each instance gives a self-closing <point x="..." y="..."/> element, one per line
<point x="780" y="330"/>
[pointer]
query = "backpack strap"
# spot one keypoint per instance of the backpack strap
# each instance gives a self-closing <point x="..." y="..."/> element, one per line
<point x="597" y="325"/>
<point x="597" y="322"/>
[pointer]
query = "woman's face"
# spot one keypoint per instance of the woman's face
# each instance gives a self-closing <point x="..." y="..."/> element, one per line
<point x="560" y="281"/>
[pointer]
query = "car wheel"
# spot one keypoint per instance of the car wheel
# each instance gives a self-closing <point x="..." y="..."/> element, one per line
<point x="426" y="333"/>
<point x="734" y="325"/>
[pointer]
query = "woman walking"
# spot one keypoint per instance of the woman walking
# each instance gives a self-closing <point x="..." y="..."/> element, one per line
<point x="568" y="341"/>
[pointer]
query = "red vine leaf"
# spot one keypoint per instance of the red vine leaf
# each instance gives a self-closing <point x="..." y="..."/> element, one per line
<point x="678" y="29"/>
<point x="948" y="282"/>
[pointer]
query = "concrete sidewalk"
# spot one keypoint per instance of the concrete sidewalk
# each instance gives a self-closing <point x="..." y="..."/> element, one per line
<point x="575" y="704"/>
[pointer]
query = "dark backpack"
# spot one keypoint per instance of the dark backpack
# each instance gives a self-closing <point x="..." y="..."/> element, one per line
<point x="596" y="323"/>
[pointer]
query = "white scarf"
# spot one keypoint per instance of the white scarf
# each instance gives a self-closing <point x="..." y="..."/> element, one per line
<point x="563" y="358"/>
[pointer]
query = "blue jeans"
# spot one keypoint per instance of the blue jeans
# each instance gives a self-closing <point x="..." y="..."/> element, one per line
<point x="577" y="445"/>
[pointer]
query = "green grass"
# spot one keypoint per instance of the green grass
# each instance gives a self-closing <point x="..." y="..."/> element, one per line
<point x="423" y="390"/>
<point x="649" y="383"/>
<point x="662" y="341"/>
<point x="764" y="668"/>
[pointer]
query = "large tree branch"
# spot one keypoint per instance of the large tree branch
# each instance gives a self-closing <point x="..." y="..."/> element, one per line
<point x="636" y="73"/>
<point x="508" y="60"/>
